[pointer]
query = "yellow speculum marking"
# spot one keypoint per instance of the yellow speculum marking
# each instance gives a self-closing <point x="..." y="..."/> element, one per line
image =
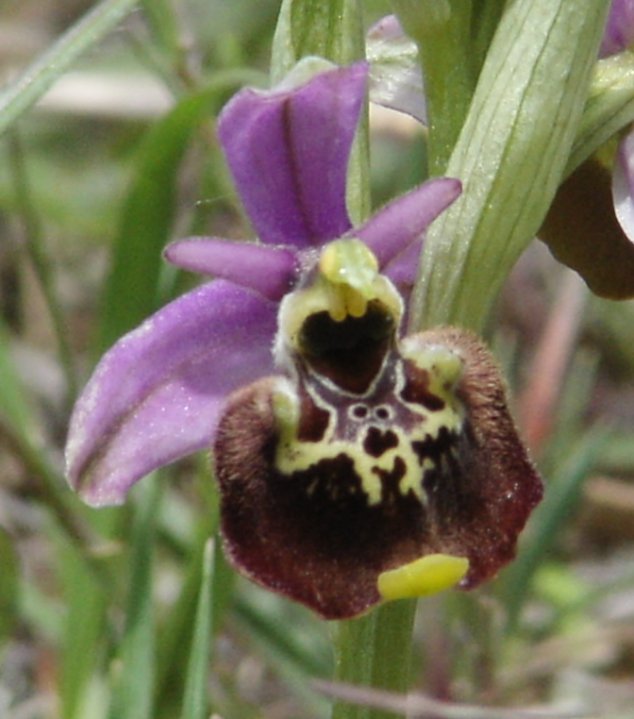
<point x="428" y="575"/>
<point x="293" y="455"/>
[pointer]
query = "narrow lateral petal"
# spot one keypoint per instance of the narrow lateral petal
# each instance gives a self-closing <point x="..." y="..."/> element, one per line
<point x="403" y="220"/>
<point x="270" y="271"/>
<point x="156" y="395"/>
<point x="288" y="151"/>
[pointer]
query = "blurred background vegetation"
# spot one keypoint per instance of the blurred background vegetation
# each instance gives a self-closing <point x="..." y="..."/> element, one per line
<point x="99" y="610"/>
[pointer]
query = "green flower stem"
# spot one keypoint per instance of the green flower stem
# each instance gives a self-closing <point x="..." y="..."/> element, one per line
<point x="332" y="30"/>
<point x="376" y="651"/>
<point x="485" y="17"/>
<point x="441" y="29"/>
<point x="510" y="156"/>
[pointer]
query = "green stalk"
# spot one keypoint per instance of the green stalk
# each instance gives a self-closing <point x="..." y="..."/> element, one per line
<point x="332" y="30"/>
<point x="485" y="17"/>
<point x="442" y="30"/>
<point x="375" y="651"/>
<point x="195" y="705"/>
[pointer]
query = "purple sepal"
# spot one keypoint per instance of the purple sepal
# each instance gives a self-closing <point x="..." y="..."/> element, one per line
<point x="619" y="30"/>
<point x="623" y="185"/>
<point x="403" y="220"/>
<point x="157" y="394"/>
<point x="288" y="151"/>
<point x="270" y="271"/>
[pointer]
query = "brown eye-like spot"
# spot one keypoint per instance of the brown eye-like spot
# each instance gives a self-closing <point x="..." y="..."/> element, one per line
<point x="377" y="441"/>
<point x="383" y="413"/>
<point x="358" y="411"/>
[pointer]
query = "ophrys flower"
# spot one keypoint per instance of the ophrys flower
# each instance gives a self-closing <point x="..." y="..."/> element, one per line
<point x="343" y="453"/>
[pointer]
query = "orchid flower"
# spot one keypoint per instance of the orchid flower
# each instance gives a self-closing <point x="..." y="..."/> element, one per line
<point x="354" y="465"/>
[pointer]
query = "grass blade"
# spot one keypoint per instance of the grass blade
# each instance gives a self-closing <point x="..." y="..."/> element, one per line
<point x="132" y="288"/>
<point x="195" y="703"/>
<point x="134" y="688"/>
<point x="561" y="497"/>
<point x="27" y="89"/>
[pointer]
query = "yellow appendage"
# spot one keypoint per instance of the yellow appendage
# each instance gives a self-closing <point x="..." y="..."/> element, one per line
<point x="427" y="575"/>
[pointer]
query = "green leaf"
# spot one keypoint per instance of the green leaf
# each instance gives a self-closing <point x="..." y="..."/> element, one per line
<point x="195" y="705"/>
<point x="15" y="407"/>
<point x="132" y="287"/>
<point x="269" y="625"/>
<point x="442" y="30"/>
<point x="561" y="498"/>
<point x="27" y="89"/>
<point x="134" y="684"/>
<point x="510" y="156"/>
<point x="8" y="585"/>
<point x="19" y="429"/>
<point x="162" y="20"/>
<point x="85" y="602"/>
<point x="148" y="212"/>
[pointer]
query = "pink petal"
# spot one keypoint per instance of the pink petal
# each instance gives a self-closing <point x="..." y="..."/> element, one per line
<point x="270" y="271"/>
<point x="156" y="395"/>
<point x="288" y="150"/>
<point x="406" y="218"/>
